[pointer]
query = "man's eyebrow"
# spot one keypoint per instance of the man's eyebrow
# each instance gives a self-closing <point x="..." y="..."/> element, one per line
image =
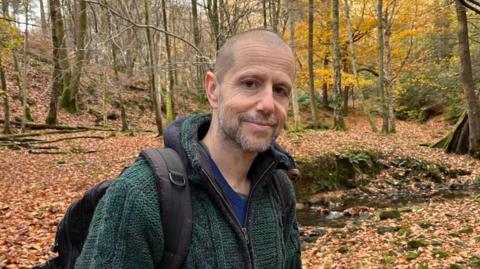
<point x="250" y="73"/>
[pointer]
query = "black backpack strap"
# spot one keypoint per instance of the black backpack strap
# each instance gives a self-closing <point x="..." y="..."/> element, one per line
<point x="280" y="182"/>
<point x="175" y="204"/>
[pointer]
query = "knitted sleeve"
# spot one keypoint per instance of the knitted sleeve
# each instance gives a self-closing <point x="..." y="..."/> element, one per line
<point x="126" y="230"/>
<point x="291" y="234"/>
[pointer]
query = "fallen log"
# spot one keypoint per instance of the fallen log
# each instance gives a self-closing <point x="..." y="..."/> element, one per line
<point x="14" y="136"/>
<point x="34" y="126"/>
<point x="27" y="143"/>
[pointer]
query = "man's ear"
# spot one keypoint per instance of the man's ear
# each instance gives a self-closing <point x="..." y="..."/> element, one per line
<point x="212" y="87"/>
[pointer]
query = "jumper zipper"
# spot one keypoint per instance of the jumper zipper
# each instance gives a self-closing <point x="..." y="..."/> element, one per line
<point x="229" y="208"/>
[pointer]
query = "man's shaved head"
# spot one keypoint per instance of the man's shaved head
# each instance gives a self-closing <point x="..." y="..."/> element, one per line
<point x="226" y="54"/>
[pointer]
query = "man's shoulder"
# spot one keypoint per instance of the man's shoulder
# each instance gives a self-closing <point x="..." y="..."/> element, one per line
<point x="137" y="177"/>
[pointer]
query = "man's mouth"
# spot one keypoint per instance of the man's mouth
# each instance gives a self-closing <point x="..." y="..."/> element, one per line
<point x="260" y="123"/>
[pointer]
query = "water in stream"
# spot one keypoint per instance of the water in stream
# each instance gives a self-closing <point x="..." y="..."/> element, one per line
<point x="336" y="218"/>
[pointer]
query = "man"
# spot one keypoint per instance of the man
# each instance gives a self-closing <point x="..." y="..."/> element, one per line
<point x="231" y="161"/>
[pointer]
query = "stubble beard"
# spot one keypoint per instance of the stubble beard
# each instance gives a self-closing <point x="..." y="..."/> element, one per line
<point x="230" y="129"/>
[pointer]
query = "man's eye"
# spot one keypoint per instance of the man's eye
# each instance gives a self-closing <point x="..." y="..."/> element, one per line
<point x="282" y="91"/>
<point x="250" y="83"/>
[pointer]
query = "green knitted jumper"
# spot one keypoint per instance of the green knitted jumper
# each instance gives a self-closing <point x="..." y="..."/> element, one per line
<point x="126" y="230"/>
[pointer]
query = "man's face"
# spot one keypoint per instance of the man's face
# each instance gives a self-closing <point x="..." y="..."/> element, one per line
<point x="254" y="95"/>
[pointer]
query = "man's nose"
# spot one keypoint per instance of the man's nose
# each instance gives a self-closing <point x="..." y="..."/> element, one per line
<point x="266" y="103"/>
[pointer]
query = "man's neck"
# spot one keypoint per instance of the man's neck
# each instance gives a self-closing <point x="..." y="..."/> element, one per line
<point x="232" y="161"/>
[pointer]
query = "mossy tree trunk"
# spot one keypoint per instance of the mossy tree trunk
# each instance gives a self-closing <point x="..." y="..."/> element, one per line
<point x="313" y="99"/>
<point x="70" y="97"/>
<point x="170" y="84"/>
<point x="58" y="29"/>
<point x="338" y="121"/>
<point x="471" y="98"/>
<point x="457" y="141"/>
<point x="59" y="55"/>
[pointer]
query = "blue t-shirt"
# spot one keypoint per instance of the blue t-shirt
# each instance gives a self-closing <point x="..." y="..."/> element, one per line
<point x="238" y="202"/>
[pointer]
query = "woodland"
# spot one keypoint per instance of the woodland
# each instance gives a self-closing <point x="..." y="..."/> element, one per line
<point x="384" y="118"/>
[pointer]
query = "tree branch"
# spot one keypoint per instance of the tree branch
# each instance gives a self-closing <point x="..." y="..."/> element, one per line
<point x="369" y="70"/>
<point x="12" y="20"/>
<point x="116" y="13"/>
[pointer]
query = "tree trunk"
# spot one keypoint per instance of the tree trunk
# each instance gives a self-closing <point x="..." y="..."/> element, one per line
<point x="381" y="79"/>
<point x="169" y="78"/>
<point x="457" y="141"/>
<point x="155" y="92"/>
<point x="20" y="80"/>
<point x="346" y="88"/>
<point x="388" y="67"/>
<point x="58" y="72"/>
<point x="70" y="98"/>
<point x="275" y="11"/>
<point x="21" y="73"/>
<point x="296" y="110"/>
<point x="116" y="67"/>
<point x="104" y="93"/>
<point x="471" y="99"/>
<point x="5" y="8"/>
<point x="6" y="106"/>
<point x="338" y="122"/>
<point x="346" y="96"/>
<point x="43" y="19"/>
<point x="58" y="29"/>
<point x="313" y="99"/>
<point x="366" y="107"/>
<point x="264" y="8"/>
<point x="200" y="69"/>
<point x="212" y="11"/>
<point x="325" y="84"/>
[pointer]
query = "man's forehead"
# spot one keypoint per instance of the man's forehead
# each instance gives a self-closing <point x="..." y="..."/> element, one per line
<point x="252" y="52"/>
<point x="237" y="47"/>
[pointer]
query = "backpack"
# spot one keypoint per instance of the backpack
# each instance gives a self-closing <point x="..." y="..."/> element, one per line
<point x="175" y="208"/>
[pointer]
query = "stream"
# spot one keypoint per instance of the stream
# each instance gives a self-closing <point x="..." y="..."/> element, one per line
<point x="337" y="219"/>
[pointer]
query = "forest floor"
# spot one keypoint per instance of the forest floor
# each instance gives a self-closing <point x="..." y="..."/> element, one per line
<point x="37" y="189"/>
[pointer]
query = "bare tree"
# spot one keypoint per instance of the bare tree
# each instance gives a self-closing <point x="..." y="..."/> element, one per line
<point x="43" y="19"/>
<point x="153" y="72"/>
<point x="198" y="62"/>
<point x="118" y="85"/>
<point x="70" y="94"/>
